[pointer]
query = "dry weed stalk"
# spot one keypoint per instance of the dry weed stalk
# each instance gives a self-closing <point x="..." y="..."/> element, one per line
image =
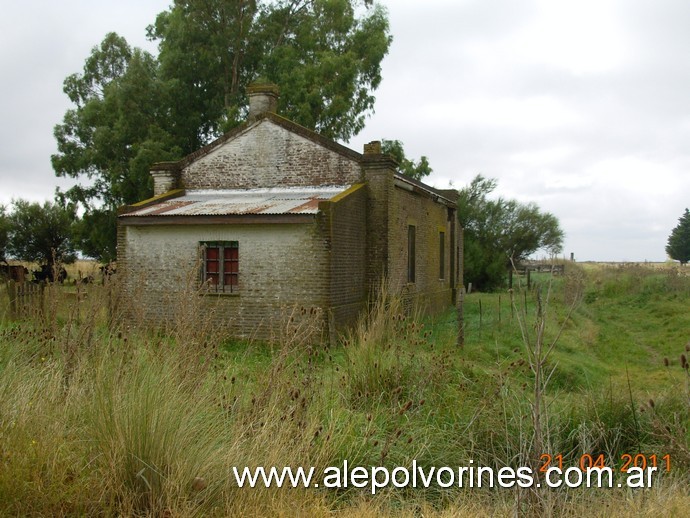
<point x="539" y="349"/>
<point x="195" y="327"/>
<point x="673" y="429"/>
<point x="298" y="326"/>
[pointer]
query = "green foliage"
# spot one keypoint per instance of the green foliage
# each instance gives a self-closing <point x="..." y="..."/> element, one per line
<point x="324" y="57"/>
<point x="113" y="135"/>
<point x="4" y="233"/>
<point x="208" y="54"/>
<point x="415" y="170"/>
<point x="678" y="246"/>
<point x="116" y="130"/>
<point x="379" y="357"/>
<point x="326" y="60"/>
<point x="111" y="420"/>
<point x="95" y="234"/>
<point x="133" y="109"/>
<point x="499" y="232"/>
<point x="41" y="233"/>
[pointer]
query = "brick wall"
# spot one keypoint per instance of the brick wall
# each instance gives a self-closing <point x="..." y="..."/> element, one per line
<point x="268" y="155"/>
<point x="390" y="210"/>
<point x="429" y="219"/>
<point x="282" y="267"/>
<point x="333" y="264"/>
<point x="379" y="173"/>
<point x="345" y="222"/>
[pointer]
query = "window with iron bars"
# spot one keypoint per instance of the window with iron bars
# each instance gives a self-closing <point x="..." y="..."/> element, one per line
<point x="220" y="266"/>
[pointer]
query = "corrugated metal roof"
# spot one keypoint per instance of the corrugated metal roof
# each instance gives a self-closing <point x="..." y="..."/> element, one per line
<point x="298" y="200"/>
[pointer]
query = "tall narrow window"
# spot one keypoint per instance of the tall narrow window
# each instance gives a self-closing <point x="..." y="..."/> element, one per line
<point x="231" y="262"/>
<point x="212" y="266"/>
<point x="411" y="253"/>
<point x="221" y="266"/>
<point x="441" y="255"/>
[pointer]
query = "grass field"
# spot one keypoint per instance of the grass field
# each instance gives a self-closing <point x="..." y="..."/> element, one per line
<point x="101" y="417"/>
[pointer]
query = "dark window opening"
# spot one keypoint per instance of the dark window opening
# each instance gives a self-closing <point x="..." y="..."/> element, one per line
<point x="411" y="253"/>
<point x="442" y="255"/>
<point x="221" y="266"/>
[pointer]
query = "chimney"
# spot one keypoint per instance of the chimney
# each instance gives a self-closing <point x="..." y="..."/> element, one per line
<point x="263" y="98"/>
<point x="373" y="148"/>
<point x="164" y="177"/>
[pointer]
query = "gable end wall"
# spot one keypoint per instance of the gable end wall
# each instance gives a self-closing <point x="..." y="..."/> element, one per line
<point x="283" y="272"/>
<point x="268" y="155"/>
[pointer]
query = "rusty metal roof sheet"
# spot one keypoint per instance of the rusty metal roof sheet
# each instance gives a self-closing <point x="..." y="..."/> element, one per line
<point x="298" y="200"/>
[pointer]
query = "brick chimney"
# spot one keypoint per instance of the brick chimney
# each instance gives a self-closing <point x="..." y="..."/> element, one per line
<point x="373" y="148"/>
<point x="263" y="98"/>
<point x="165" y="176"/>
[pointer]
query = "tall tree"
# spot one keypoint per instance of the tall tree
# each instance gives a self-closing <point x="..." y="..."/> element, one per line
<point x="208" y="54"/>
<point x="325" y="58"/>
<point x="678" y="246"/>
<point x="132" y="109"/>
<point x="416" y="170"/>
<point x="113" y="135"/>
<point x="499" y="231"/>
<point x="41" y="233"/>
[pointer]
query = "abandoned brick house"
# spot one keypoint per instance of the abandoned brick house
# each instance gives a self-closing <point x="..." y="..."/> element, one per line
<point x="272" y="215"/>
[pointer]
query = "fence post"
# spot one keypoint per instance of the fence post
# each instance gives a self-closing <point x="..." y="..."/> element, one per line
<point x="41" y="300"/>
<point x="23" y="299"/>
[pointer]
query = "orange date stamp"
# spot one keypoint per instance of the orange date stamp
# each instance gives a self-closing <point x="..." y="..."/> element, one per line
<point x="624" y="463"/>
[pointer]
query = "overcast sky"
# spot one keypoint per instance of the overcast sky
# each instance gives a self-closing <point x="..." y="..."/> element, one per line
<point x="580" y="106"/>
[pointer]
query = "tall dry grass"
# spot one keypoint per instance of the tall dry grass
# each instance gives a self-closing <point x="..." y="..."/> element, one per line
<point x="101" y="417"/>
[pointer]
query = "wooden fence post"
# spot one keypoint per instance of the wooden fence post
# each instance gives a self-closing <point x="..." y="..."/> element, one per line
<point x="42" y="300"/>
<point x="26" y="299"/>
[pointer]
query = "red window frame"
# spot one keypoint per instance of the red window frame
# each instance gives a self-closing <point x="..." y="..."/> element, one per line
<point x="220" y="266"/>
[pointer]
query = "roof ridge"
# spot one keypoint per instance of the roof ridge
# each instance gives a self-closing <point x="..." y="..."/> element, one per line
<point x="287" y="124"/>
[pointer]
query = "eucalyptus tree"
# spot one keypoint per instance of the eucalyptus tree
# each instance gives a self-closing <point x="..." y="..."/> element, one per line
<point x="325" y="55"/>
<point x="132" y="109"/>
